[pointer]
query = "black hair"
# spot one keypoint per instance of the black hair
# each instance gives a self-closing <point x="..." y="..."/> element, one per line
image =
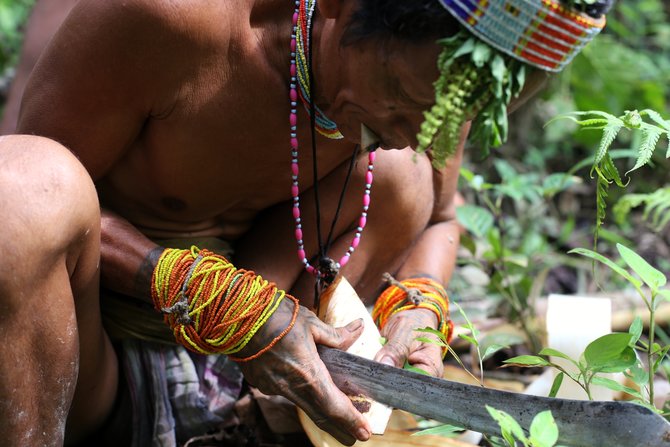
<point x="409" y="20"/>
<point x="595" y="9"/>
<point x="419" y="20"/>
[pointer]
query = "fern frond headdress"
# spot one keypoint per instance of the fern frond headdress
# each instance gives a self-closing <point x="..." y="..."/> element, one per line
<point x="483" y="66"/>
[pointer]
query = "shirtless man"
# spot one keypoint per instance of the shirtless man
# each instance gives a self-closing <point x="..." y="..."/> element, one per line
<point x="179" y="113"/>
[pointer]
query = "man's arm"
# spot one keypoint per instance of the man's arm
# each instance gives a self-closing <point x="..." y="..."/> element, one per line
<point x="101" y="78"/>
<point x="434" y="256"/>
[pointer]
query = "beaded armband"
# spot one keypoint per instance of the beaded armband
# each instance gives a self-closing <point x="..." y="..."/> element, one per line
<point x="414" y="293"/>
<point x="211" y="306"/>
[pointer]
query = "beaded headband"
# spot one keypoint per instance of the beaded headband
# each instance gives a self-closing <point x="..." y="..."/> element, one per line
<point x="542" y="33"/>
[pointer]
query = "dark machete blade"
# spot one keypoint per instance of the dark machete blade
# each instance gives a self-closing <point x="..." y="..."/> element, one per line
<point x="580" y="423"/>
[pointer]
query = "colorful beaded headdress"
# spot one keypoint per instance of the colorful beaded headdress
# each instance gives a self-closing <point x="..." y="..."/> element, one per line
<point x="483" y="66"/>
<point x="542" y="33"/>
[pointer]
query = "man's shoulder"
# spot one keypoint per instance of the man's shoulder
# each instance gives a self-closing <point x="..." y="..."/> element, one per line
<point x="195" y="21"/>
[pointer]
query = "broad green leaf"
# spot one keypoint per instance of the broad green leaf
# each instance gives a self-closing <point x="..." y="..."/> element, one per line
<point x="498" y="69"/>
<point x="475" y="219"/>
<point x="509" y="427"/>
<point x="651" y="277"/>
<point x="554" y="353"/>
<point x="627" y="359"/>
<point x="431" y="341"/>
<point x="469" y="339"/>
<point x="543" y="430"/>
<point x="556" y="385"/>
<point x="481" y="55"/>
<point x="430" y="330"/>
<point x="468" y="243"/>
<point x="635" y="329"/>
<point x="610" y="352"/>
<point x="600" y="258"/>
<point x="526" y="360"/>
<point x="408" y="367"/>
<point x="638" y="374"/>
<point x="615" y="386"/>
<point x="446" y="430"/>
<point x="492" y="349"/>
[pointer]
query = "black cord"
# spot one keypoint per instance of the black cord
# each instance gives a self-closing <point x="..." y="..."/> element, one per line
<point x="324" y="263"/>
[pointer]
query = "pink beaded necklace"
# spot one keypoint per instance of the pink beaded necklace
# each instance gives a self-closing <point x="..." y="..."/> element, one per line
<point x="327" y="269"/>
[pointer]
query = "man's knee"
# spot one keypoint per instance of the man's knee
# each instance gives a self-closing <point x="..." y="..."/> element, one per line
<point x="48" y="200"/>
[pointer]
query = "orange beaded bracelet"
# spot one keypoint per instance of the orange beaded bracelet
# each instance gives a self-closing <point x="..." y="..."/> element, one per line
<point x="211" y="306"/>
<point x="414" y="293"/>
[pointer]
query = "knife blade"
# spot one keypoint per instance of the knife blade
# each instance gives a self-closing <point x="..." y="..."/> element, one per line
<point x="580" y="423"/>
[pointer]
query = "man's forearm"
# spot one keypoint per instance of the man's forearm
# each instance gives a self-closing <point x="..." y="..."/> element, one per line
<point x="127" y="257"/>
<point x="434" y="254"/>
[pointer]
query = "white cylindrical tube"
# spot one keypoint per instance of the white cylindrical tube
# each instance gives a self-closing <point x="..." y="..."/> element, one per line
<point x="572" y="323"/>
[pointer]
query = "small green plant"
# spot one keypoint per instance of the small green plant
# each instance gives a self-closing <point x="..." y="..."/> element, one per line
<point x="543" y="430"/>
<point x="509" y="226"/>
<point x="603" y="167"/>
<point x="616" y="352"/>
<point x="471" y="336"/>
<point x="610" y="353"/>
<point x="656" y="208"/>
<point x="654" y="280"/>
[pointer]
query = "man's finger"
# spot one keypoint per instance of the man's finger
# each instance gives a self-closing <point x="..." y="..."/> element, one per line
<point x="393" y="353"/>
<point x="336" y="415"/>
<point x="339" y="338"/>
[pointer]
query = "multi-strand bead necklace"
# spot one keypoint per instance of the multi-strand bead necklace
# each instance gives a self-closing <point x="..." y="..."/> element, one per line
<point x="300" y="87"/>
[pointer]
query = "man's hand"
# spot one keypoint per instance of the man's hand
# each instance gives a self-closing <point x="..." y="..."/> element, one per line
<point x="401" y="343"/>
<point x="293" y="369"/>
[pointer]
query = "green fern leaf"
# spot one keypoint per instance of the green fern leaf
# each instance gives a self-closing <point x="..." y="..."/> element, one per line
<point x="600" y="122"/>
<point x="610" y="132"/>
<point x="602" y="188"/>
<point x="623" y="207"/>
<point x="610" y="171"/>
<point x="656" y="211"/>
<point x="607" y="116"/>
<point x="650" y="137"/>
<point x="657" y="118"/>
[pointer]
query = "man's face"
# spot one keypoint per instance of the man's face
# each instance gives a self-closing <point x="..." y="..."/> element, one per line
<point x="386" y="86"/>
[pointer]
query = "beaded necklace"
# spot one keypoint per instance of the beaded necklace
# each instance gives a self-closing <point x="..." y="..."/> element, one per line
<point x="324" y="125"/>
<point x="302" y="21"/>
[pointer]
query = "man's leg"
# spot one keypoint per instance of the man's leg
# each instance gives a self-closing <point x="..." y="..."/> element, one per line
<point x="58" y="366"/>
